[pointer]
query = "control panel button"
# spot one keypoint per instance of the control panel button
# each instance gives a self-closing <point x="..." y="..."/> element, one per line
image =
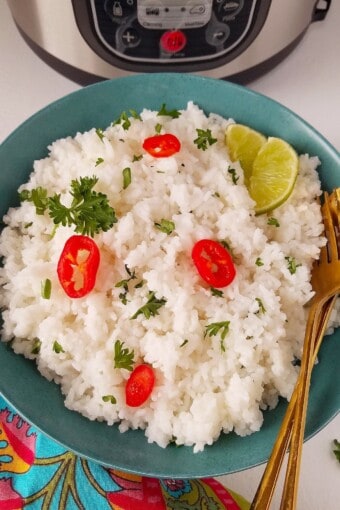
<point x="130" y="38"/>
<point x="173" y="41"/>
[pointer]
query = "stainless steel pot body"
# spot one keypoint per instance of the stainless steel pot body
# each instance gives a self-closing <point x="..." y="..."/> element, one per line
<point x="70" y="32"/>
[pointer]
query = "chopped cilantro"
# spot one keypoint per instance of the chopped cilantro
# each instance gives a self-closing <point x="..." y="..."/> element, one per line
<point x="46" y="288"/>
<point x="234" y="176"/>
<point x="165" y="226"/>
<point x="109" y="398"/>
<point x="204" y="139"/>
<point x="292" y="265"/>
<point x="126" y="177"/>
<point x="36" y="346"/>
<point x="57" y="347"/>
<point x="100" y="133"/>
<point x="273" y="221"/>
<point x="261" y="306"/>
<point x="99" y="161"/>
<point x="168" y="113"/>
<point x="216" y="292"/>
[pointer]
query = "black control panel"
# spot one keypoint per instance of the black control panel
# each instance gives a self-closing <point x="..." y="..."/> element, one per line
<point x="165" y="33"/>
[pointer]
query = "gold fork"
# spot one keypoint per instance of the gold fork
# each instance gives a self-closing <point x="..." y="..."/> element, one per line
<point x="326" y="284"/>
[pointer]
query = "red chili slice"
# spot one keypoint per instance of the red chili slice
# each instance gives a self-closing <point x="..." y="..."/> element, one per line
<point x="162" y="146"/>
<point x="213" y="262"/>
<point x="78" y="265"/>
<point x="139" y="385"/>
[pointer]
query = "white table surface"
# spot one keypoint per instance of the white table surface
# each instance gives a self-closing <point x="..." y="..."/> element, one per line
<point x="307" y="82"/>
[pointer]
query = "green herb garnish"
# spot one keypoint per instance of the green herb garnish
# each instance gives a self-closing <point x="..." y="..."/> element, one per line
<point x="168" y="113"/>
<point x="273" y="221"/>
<point x="57" y="347"/>
<point x="109" y="398"/>
<point x="165" y="226"/>
<point x="100" y="133"/>
<point x="46" y="289"/>
<point x="217" y="327"/>
<point x="151" y="307"/>
<point x="292" y="265"/>
<point x="38" y="196"/>
<point x="158" y="128"/>
<point x="89" y="211"/>
<point x="99" y="161"/>
<point x="336" y="450"/>
<point x="123" y="358"/>
<point x="261" y="306"/>
<point x="36" y="346"/>
<point x="124" y="120"/>
<point x="204" y="139"/>
<point x="234" y="176"/>
<point x="216" y="292"/>
<point x="126" y="177"/>
<point x="137" y="158"/>
<point x="259" y="261"/>
<point x="184" y="342"/>
<point x="125" y="284"/>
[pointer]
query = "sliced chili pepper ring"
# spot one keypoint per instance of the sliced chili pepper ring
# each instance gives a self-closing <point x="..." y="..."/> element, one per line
<point x="213" y="263"/>
<point x="162" y="146"/>
<point x="139" y="386"/>
<point x="78" y="265"/>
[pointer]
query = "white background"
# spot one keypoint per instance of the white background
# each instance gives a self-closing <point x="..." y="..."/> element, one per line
<point x="307" y="82"/>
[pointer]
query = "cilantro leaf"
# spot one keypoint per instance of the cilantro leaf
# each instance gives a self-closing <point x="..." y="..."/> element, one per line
<point x="123" y="358"/>
<point x="336" y="450"/>
<point x="217" y="327"/>
<point x="204" y="139"/>
<point x="165" y="226"/>
<point x="57" y="347"/>
<point x="292" y="265"/>
<point x="168" y="113"/>
<point x="150" y="308"/>
<point x="109" y="398"/>
<point x="38" y="196"/>
<point x="46" y="289"/>
<point x="126" y="177"/>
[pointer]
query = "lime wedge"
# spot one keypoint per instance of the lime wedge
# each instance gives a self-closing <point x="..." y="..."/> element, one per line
<point x="273" y="176"/>
<point x="243" y="144"/>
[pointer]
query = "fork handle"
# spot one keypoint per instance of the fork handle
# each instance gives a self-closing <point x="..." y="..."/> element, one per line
<point x="265" y="491"/>
<point x="290" y="489"/>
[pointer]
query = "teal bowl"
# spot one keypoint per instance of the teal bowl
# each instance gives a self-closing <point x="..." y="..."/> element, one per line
<point x="40" y="401"/>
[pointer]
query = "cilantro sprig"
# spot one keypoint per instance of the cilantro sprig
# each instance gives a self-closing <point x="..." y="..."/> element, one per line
<point x="123" y="358"/>
<point x="151" y="307"/>
<point x="89" y="211"/>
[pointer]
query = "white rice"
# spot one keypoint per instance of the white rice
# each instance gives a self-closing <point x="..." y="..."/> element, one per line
<point x="202" y="387"/>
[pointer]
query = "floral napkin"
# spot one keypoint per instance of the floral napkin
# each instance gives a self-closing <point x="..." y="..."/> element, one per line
<point x="37" y="473"/>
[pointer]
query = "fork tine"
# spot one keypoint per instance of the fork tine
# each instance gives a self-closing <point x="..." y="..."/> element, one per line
<point x="328" y="218"/>
<point x="334" y="203"/>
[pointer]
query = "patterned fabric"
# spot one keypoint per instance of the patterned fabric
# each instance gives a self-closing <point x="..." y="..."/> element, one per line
<point x="38" y="474"/>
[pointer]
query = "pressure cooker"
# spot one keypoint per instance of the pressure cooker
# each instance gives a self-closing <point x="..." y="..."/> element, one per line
<point x="89" y="40"/>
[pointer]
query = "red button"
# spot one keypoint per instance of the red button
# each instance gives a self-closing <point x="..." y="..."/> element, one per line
<point x="173" y="41"/>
